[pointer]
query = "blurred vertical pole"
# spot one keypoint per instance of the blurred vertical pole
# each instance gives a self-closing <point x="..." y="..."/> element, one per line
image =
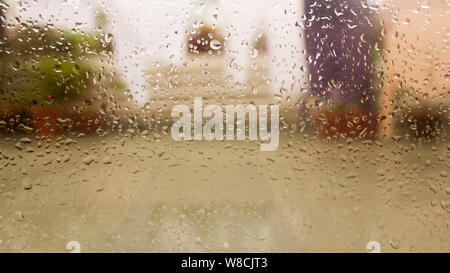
<point x="240" y="15"/>
<point x="286" y="47"/>
<point x="2" y="19"/>
<point x="285" y="41"/>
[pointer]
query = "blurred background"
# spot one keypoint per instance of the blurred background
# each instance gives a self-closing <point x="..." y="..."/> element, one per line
<point x="319" y="61"/>
<point x="364" y="106"/>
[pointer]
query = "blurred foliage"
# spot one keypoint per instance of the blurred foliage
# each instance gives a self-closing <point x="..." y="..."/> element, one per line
<point x="58" y="81"/>
<point x="41" y="65"/>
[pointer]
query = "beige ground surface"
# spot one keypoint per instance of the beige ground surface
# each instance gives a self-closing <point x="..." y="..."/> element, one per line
<point x="146" y="194"/>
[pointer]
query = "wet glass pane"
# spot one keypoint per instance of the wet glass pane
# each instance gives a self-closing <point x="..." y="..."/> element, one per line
<point x="224" y="126"/>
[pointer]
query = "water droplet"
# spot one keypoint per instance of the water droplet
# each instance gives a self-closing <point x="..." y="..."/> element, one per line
<point x="215" y="44"/>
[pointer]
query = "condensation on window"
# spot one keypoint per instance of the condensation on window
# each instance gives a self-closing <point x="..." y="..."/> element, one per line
<point x="224" y="126"/>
